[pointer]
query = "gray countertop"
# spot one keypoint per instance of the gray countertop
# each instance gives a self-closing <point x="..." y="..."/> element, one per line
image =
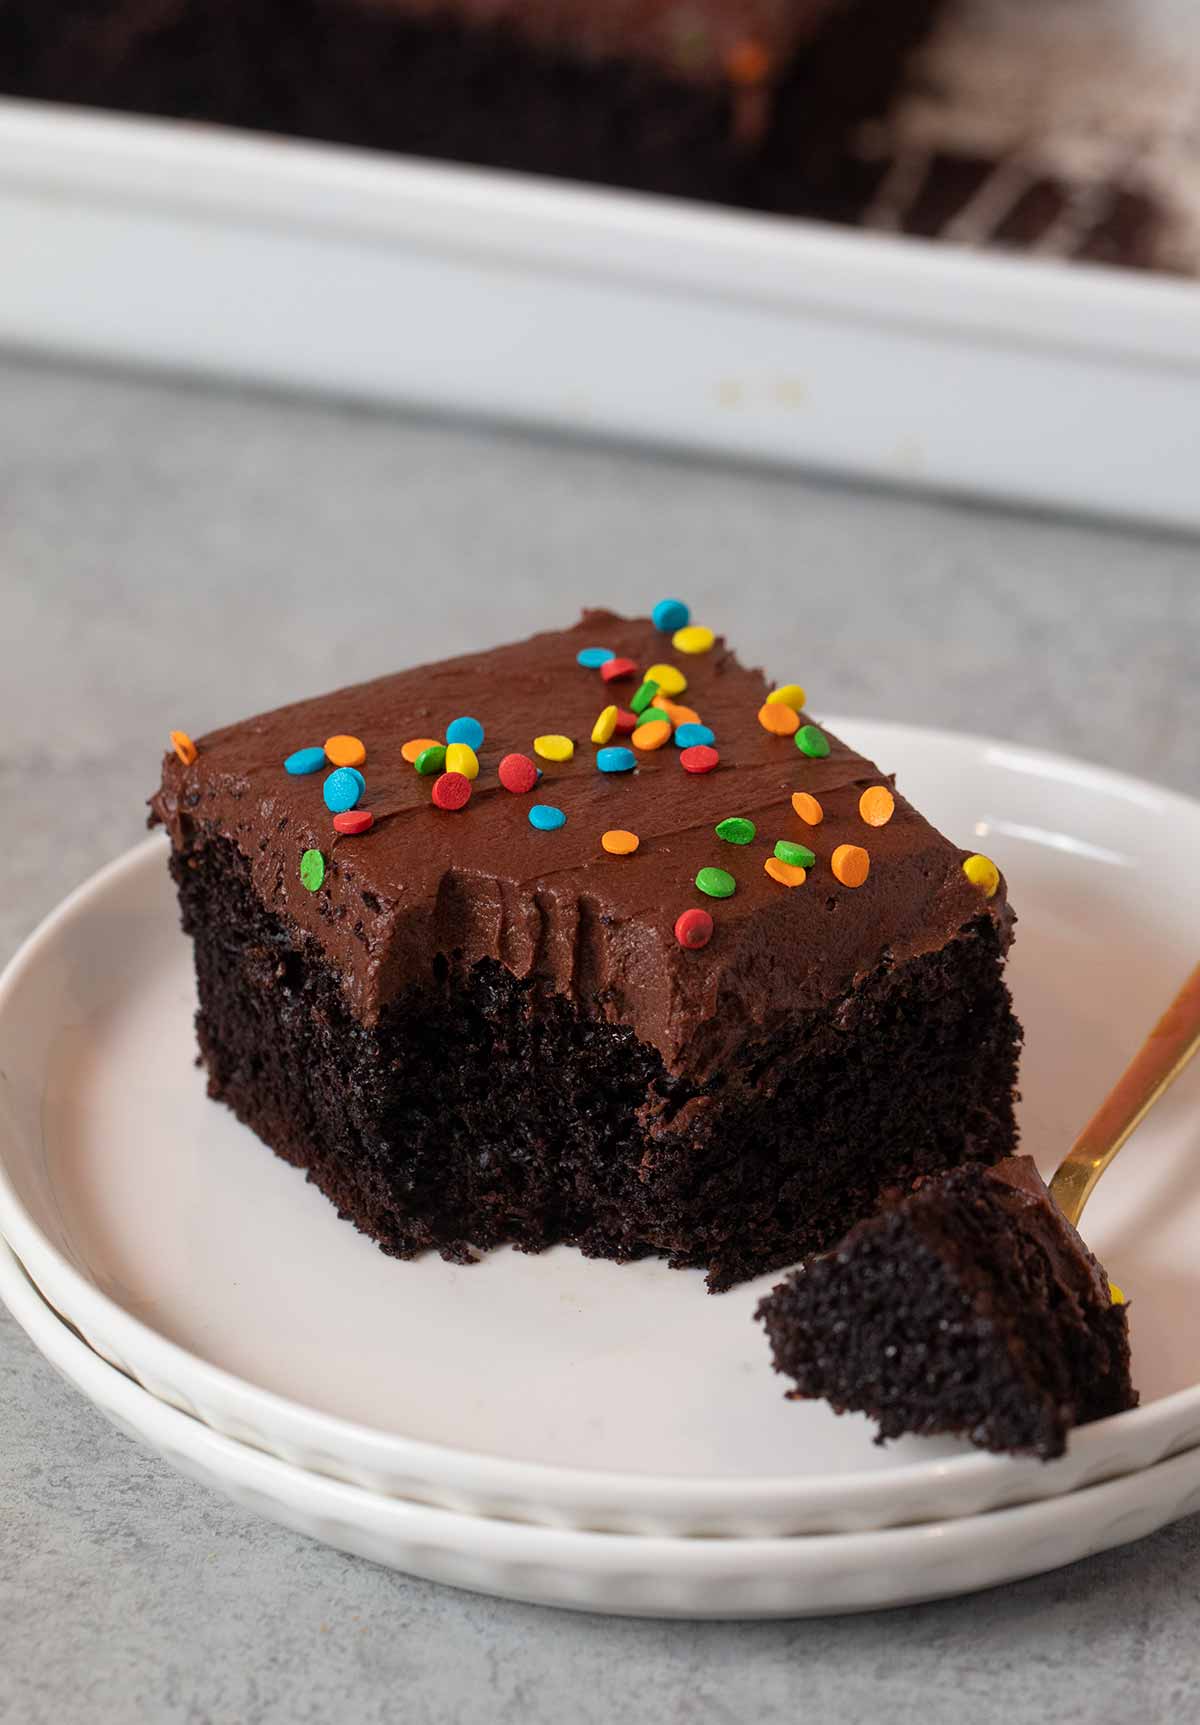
<point x="171" y="555"/>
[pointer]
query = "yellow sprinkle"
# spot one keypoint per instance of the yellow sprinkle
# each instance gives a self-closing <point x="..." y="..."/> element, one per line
<point x="184" y="747"/>
<point x="619" y="843"/>
<point x="552" y="748"/>
<point x="787" y="874"/>
<point x="983" y="873"/>
<point x="1118" y="1298"/>
<point x="417" y="746"/>
<point x="695" y="638"/>
<point x="787" y="695"/>
<point x="605" y="725"/>
<point x="877" y="805"/>
<point x="345" y="751"/>
<point x="652" y="735"/>
<point x="808" y="808"/>
<point x="670" y="679"/>
<point x="461" y="758"/>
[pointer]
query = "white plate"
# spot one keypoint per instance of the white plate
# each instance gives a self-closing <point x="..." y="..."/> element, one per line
<point x="312" y="267"/>
<point x="557" y="1388"/>
<point x="628" y="1576"/>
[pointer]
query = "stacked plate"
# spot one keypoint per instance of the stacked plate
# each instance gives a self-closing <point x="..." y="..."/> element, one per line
<point x="567" y="1431"/>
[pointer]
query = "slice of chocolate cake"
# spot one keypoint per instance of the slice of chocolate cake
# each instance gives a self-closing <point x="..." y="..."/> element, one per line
<point x="971" y="1307"/>
<point x="703" y="990"/>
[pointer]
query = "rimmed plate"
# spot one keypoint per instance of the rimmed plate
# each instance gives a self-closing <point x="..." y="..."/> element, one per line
<point x="625" y="1575"/>
<point x="556" y="1389"/>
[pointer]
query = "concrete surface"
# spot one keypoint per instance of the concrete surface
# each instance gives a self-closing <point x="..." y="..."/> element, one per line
<point x="171" y="555"/>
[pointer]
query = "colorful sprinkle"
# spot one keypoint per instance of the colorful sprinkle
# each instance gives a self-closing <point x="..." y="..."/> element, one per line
<point x="808" y="808"/>
<point x="431" y="759"/>
<point x="184" y="748"/>
<point x="344" y="751"/>
<point x="1116" y="1295"/>
<point x="670" y="679"/>
<point x="355" y="774"/>
<point x="877" y="805"/>
<point x="416" y="746"/>
<point x="546" y="818"/>
<point x="518" y="774"/>
<point x="643" y="697"/>
<point x="352" y="821"/>
<point x="716" y="882"/>
<point x="700" y="758"/>
<point x="982" y="873"/>
<point x="312" y="870"/>
<point x="616" y="670"/>
<point x="342" y="789"/>
<point x="694" y="929"/>
<point x="670" y="615"/>
<point x="781" y="721"/>
<point x="627" y="722"/>
<point x="605" y="725"/>
<point x="465" y="730"/>
<point x="850" y="864"/>
<point x="452" y="791"/>
<point x="695" y="638"/>
<point x="652" y="735"/>
<point x="616" y="760"/>
<point x="461" y="758"/>
<point x="554" y="747"/>
<point x="787" y="695"/>
<point x="796" y="856"/>
<point x="304" y="761"/>
<point x="619" y="843"/>
<point x="593" y="658"/>
<point x="694" y="736"/>
<point x="678" y="715"/>
<point x="812" y="741"/>
<point x="787" y="874"/>
<point x="736" y="831"/>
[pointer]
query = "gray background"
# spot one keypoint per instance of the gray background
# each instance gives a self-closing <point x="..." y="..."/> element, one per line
<point x="173" y="555"/>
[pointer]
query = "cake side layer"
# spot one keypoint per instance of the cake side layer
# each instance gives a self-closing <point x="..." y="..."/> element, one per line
<point x="481" y="1109"/>
<point x="425" y="885"/>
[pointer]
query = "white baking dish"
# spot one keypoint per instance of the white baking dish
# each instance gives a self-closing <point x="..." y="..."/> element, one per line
<point x="589" y="311"/>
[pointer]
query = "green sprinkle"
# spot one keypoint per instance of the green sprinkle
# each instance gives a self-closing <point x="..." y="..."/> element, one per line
<point x="644" y="696"/>
<point x="797" y="856"/>
<point x="716" y="882"/>
<point x="312" y="870"/>
<point x="432" y="760"/>
<point x="736" y="831"/>
<point x="812" y="741"/>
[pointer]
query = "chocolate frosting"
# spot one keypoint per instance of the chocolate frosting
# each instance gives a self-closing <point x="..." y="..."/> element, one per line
<point x="1024" y="1195"/>
<point x="425" y="884"/>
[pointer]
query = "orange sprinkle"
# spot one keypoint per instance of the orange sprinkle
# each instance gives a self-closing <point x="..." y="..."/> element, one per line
<point x="850" y="864"/>
<point x="678" y="715"/>
<point x="345" y="751"/>
<point x="808" y="808"/>
<point x="183" y="747"/>
<point x="618" y="843"/>
<point x="652" y="735"/>
<point x="877" y="805"/>
<point x="787" y="874"/>
<point x="417" y="746"/>
<point x="781" y="721"/>
<point x="747" y="62"/>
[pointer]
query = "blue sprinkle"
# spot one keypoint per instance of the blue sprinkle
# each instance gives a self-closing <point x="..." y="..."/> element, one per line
<point x="687" y="736"/>
<point x="593" y="657"/>
<point x="546" y="818"/>
<point x="342" y="789"/>
<point x="468" y="731"/>
<point x="355" y="774"/>
<point x="305" y="761"/>
<point x="616" y="760"/>
<point x="669" y="615"/>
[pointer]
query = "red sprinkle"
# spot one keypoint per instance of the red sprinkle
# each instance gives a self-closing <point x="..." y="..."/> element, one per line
<point x="615" y="670"/>
<point x="353" y="821"/>
<point x="698" y="759"/>
<point x="518" y="774"/>
<point x="694" y="929"/>
<point x="452" y="791"/>
<point x="627" y="722"/>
